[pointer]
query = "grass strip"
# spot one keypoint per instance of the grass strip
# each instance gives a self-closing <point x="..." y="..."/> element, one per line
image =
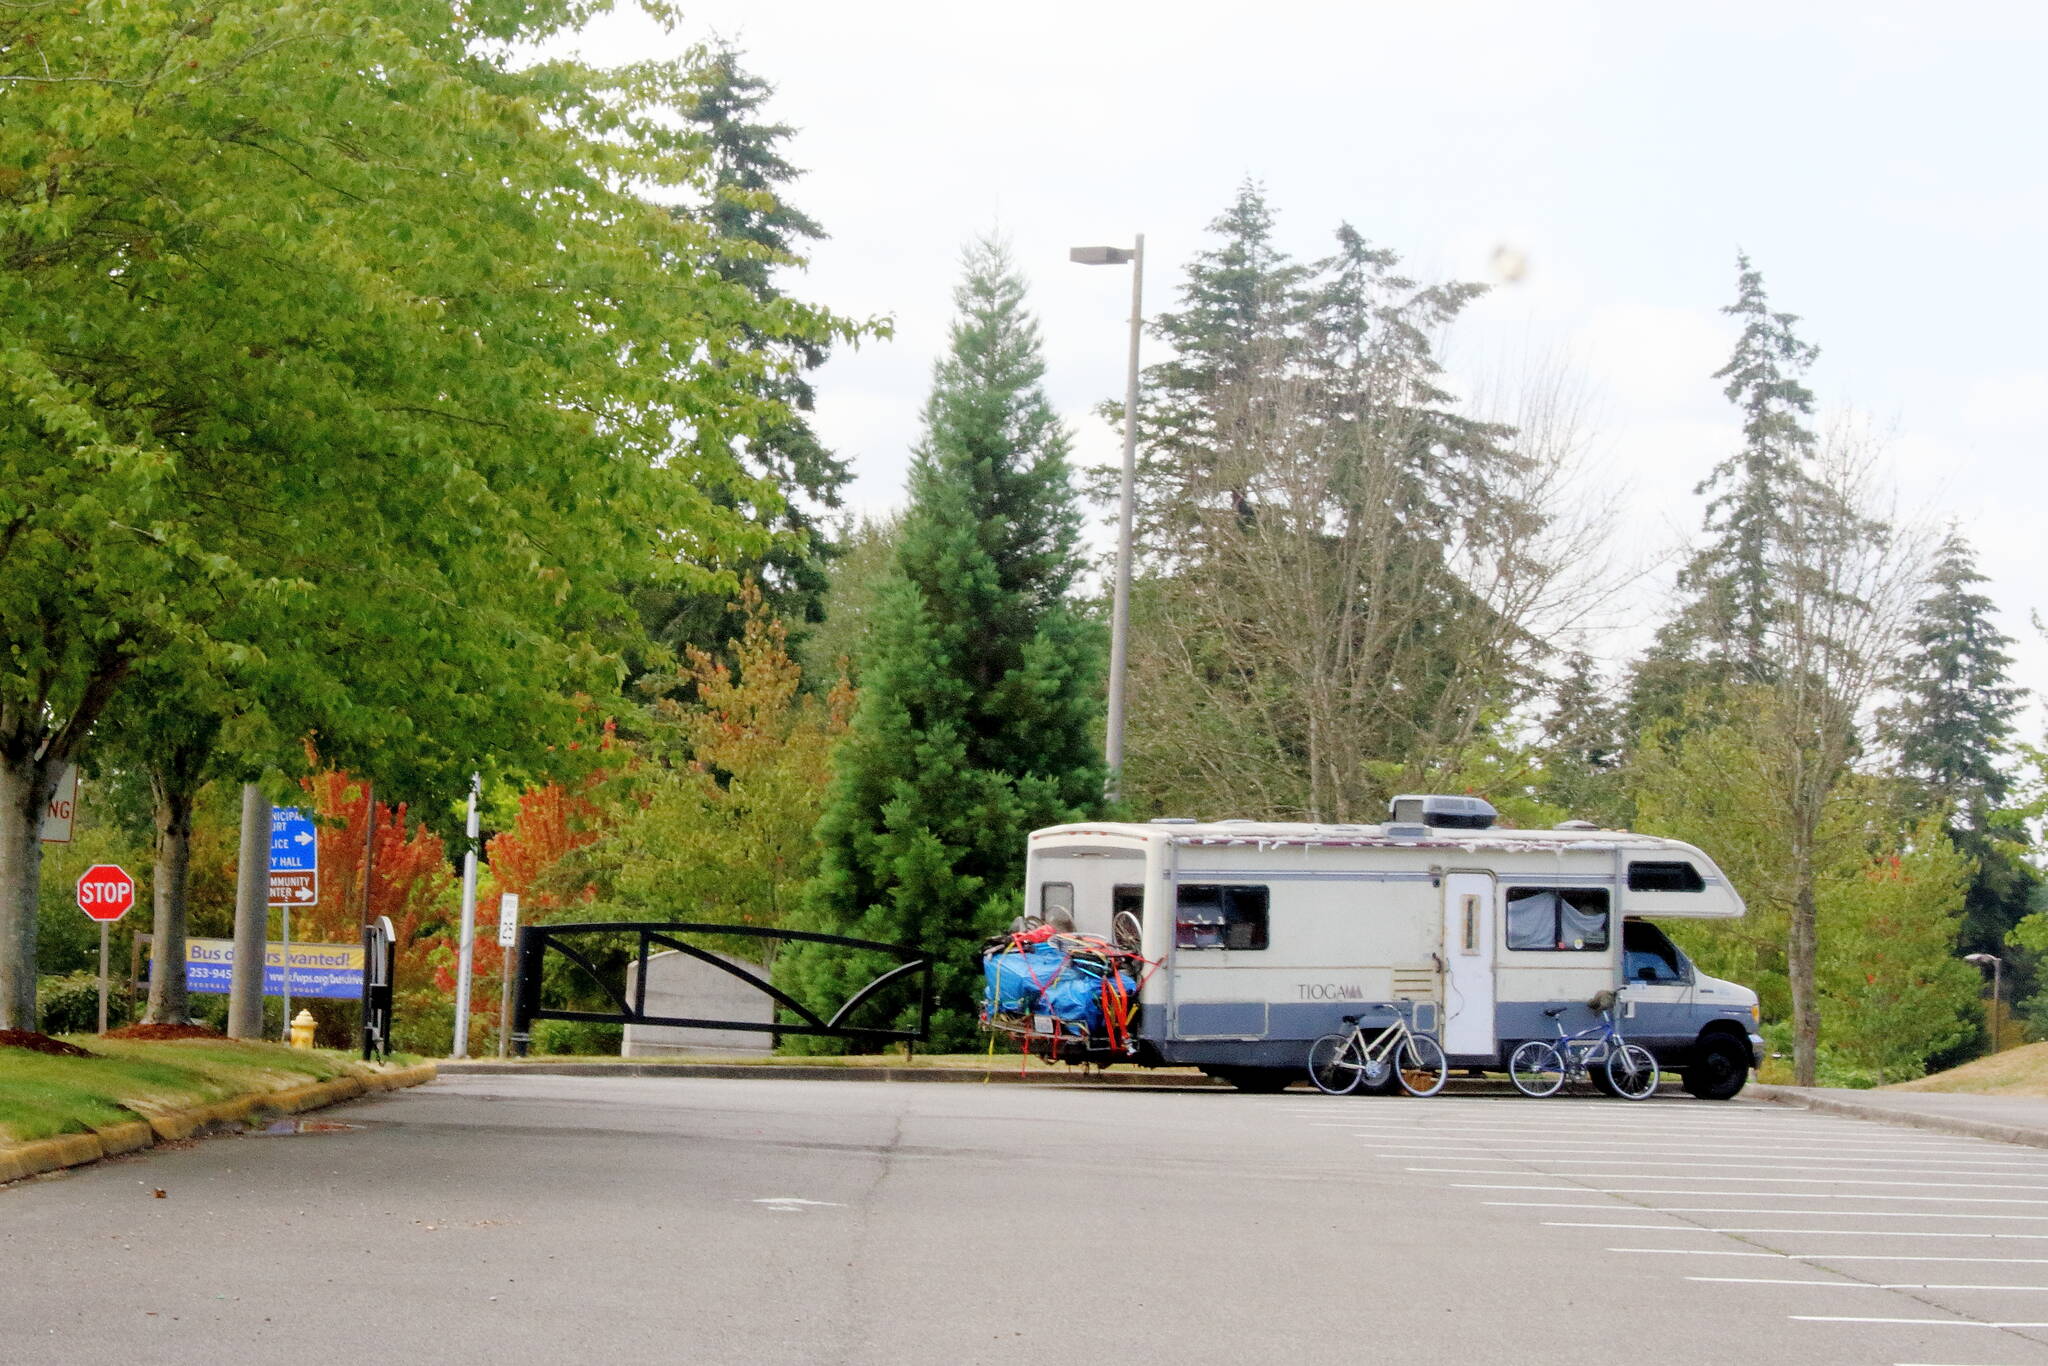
<point x="43" y="1096"/>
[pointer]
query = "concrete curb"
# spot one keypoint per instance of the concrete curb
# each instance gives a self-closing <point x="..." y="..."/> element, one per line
<point x="805" y="1072"/>
<point x="1911" y="1119"/>
<point x="74" y="1150"/>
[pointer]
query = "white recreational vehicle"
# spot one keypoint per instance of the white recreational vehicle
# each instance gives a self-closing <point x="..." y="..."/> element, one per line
<point x="1267" y="935"/>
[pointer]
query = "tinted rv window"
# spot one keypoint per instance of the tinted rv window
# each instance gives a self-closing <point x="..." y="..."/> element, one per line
<point x="1566" y="920"/>
<point x="1665" y="877"/>
<point x="1220" y="917"/>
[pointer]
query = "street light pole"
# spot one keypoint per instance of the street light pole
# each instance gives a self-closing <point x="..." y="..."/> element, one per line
<point x="1120" y="600"/>
<point x="1997" y="972"/>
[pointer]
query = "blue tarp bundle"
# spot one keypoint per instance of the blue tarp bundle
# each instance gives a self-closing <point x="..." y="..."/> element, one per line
<point x="1042" y="979"/>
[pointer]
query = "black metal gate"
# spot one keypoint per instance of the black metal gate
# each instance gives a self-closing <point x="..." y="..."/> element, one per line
<point x="913" y="971"/>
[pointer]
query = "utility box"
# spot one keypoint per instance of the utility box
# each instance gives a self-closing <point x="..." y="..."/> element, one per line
<point x="681" y="984"/>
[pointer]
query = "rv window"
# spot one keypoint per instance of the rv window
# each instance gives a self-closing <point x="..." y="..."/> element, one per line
<point x="1220" y="917"/>
<point x="1647" y="955"/>
<point x="1056" y="901"/>
<point x="1665" y="877"/>
<point x="1571" y="920"/>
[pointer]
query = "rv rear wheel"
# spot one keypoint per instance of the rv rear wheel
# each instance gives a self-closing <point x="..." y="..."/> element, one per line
<point x="1256" y="1081"/>
<point x="1719" y="1069"/>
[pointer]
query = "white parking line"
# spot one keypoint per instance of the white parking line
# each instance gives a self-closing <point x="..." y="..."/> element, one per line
<point x="1788" y="1180"/>
<point x="1860" y="1285"/>
<point x="1551" y="1160"/>
<point x="1787" y="1213"/>
<point x="1833" y="1151"/>
<point x="1745" y="1195"/>
<point x="1916" y="1323"/>
<point x="1826" y="1256"/>
<point x="1802" y="1232"/>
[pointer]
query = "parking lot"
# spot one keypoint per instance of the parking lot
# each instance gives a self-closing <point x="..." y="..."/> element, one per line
<point x="1858" y="1238"/>
<point x="512" y="1219"/>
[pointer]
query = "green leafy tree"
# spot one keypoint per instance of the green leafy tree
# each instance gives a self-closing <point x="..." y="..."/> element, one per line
<point x="341" y="319"/>
<point x="979" y="715"/>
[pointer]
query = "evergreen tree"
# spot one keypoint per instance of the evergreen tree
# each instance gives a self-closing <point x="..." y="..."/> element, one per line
<point x="978" y="717"/>
<point x="1583" y="747"/>
<point x="1956" y="708"/>
<point x="758" y="230"/>
<point x="1762" y="502"/>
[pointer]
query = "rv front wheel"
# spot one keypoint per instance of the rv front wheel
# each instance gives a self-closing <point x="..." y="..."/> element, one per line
<point x="1719" y="1068"/>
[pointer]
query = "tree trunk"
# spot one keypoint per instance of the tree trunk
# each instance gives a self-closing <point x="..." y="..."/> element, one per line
<point x="167" y="998"/>
<point x="26" y="786"/>
<point x="252" y="917"/>
<point x="1802" y="949"/>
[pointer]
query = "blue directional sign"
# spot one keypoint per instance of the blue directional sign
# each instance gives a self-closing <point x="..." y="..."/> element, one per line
<point x="294" y="858"/>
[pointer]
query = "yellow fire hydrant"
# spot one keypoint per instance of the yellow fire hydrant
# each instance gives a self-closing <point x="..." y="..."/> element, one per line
<point x="302" y="1029"/>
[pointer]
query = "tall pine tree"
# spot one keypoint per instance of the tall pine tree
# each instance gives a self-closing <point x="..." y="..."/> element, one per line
<point x="1763" y="501"/>
<point x="1956" y="708"/>
<point x="979" y="717"/>
<point x="757" y="230"/>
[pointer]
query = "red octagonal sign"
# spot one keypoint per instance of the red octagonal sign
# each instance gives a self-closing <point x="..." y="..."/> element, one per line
<point x="105" y="892"/>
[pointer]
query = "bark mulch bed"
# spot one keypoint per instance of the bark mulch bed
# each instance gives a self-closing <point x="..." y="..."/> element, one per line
<point x="165" y="1031"/>
<point x="41" y="1043"/>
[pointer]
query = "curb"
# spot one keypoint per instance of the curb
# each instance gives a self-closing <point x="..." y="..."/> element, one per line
<point x="1911" y="1119"/>
<point x="804" y="1072"/>
<point x="75" y="1150"/>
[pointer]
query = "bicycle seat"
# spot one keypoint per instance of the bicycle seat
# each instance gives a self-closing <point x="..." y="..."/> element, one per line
<point x="1556" y="1011"/>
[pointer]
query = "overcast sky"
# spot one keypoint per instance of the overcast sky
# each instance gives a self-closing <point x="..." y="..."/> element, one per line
<point x="1882" y="164"/>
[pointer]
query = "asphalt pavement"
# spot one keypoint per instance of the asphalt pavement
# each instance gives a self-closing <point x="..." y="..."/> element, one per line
<point x="515" y="1219"/>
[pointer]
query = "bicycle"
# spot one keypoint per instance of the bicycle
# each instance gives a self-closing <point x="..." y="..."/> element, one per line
<point x="1339" y="1063"/>
<point x="1541" y="1067"/>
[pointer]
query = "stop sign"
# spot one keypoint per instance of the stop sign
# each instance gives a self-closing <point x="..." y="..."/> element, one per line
<point x="105" y="892"/>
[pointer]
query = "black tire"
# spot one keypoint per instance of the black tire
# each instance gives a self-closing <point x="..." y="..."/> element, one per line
<point x="1536" y="1070"/>
<point x="1333" y="1064"/>
<point x="1254" y="1081"/>
<point x="1631" y="1073"/>
<point x="1719" y="1068"/>
<point x="1420" y="1065"/>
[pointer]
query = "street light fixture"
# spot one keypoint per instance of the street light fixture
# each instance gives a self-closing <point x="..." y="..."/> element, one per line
<point x="1997" y="971"/>
<point x="1120" y="601"/>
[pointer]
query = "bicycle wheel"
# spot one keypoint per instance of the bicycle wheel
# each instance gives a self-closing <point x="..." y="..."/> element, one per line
<point x="1333" y="1064"/>
<point x="1631" y="1072"/>
<point x="1421" y="1065"/>
<point x="1536" y="1069"/>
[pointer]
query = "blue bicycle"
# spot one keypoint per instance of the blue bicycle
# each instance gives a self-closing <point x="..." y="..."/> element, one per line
<point x="1541" y="1067"/>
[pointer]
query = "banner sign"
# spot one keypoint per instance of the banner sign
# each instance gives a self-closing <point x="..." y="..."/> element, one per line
<point x="334" y="971"/>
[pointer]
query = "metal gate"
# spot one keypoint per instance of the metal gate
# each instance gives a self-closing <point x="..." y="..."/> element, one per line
<point x="912" y="971"/>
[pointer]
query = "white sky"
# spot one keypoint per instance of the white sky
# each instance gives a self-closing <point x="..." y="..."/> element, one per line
<point x="1883" y="165"/>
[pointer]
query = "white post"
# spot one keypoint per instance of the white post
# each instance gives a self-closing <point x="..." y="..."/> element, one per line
<point x="466" y="962"/>
<point x="103" y="976"/>
<point x="1120" y="602"/>
<point x="508" y="940"/>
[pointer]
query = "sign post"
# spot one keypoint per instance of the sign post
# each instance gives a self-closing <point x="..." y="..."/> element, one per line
<point x="294" y="881"/>
<point x="508" y="939"/>
<point x="105" y="893"/>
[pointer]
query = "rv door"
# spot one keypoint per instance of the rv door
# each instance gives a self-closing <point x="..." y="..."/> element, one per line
<point x="1468" y="965"/>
